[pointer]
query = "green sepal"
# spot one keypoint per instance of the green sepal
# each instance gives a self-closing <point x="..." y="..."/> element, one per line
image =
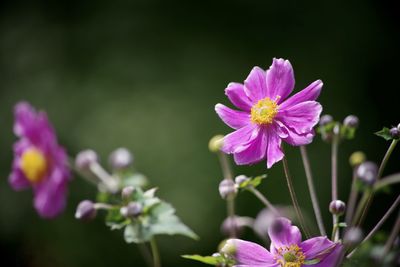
<point x="385" y="134"/>
<point x="252" y="182"/>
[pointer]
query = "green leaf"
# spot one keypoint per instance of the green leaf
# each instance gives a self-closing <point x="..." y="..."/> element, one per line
<point x="385" y="134"/>
<point x="347" y="132"/>
<point x="115" y="220"/>
<point x="136" y="233"/>
<point x="311" y="262"/>
<point x="211" y="260"/>
<point x="252" y="181"/>
<point x="342" y="225"/>
<point x="135" y="180"/>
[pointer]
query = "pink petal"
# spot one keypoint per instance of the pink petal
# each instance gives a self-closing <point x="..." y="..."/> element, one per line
<point x="310" y="93"/>
<point x="238" y="97"/>
<point x="255" y="85"/>
<point x="274" y="151"/>
<point x="251" y="254"/>
<point x="233" y="118"/>
<point x="330" y="260"/>
<point x="317" y="247"/>
<point x="292" y="138"/>
<point x="280" y="79"/>
<point x="255" y="152"/>
<point x="301" y="117"/>
<point x="282" y="233"/>
<point x="240" y="139"/>
<point x="18" y="180"/>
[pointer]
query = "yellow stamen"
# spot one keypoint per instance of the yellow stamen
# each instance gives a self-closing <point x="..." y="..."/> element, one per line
<point x="33" y="164"/>
<point x="264" y="111"/>
<point x="291" y="256"/>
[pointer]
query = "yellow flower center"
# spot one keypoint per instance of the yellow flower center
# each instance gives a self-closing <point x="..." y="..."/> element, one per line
<point x="291" y="256"/>
<point x="33" y="165"/>
<point x="264" y="111"/>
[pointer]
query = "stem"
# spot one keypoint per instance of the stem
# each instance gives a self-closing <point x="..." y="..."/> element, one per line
<point x="364" y="200"/>
<point x="392" y="237"/>
<point x="264" y="200"/>
<point x="230" y="201"/>
<point x="378" y="225"/>
<point x="351" y="201"/>
<point x="294" y="198"/>
<point x="145" y="254"/>
<point x="380" y="172"/>
<point x="110" y="183"/>
<point x="311" y="188"/>
<point x="156" y="254"/>
<point x="334" y="163"/>
<point x="391" y="179"/>
<point x="335" y="227"/>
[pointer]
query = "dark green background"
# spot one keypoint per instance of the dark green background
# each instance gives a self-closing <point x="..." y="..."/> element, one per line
<point x="147" y="74"/>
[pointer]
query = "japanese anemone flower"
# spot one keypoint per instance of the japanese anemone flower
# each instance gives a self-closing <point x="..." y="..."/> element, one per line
<point x="267" y="116"/>
<point x="39" y="162"/>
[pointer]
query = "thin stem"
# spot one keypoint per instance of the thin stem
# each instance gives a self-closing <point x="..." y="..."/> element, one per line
<point x="230" y="200"/>
<point x="263" y="199"/>
<point x="156" y="254"/>
<point x="379" y="224"/>
<point x="380" y="172"/>
<point x="144" y="250"/>
<point x="361" y="204"/>
<point x="389" y="180"/>
<point x="351" y="203"/>
<point x="110" y="183"/>
<point x="334" y="163"/>
<point x="335" y="227"/>
<point x="392" y="237"/>
<point x="311" y="188"/>
<point x="294" y="198"/>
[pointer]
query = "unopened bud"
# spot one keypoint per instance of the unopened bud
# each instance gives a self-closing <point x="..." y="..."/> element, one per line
<point x="367" y="172"/>
<point x="353" y="236"/>
<point x="227" y="188"/>
<point x="120" y="158"/>
<point x="395" y="133"/>
<point x="216" y="143"/>
<point x="127" y="192"/>
<point x="325" y="120"/>
<point x="85" y="158"/>
<point x="351" y="121"/>
<point x="85" y="211"/>
<point x="337" y="207"/>
<point x="133" y="209"/>
<point x="357" y="158"/>
<point x="241" y="178"/>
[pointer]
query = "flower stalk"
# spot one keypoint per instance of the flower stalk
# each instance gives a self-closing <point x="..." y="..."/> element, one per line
<point x="155" y="253"/>
<point x="334" y="170"/>
<point x="263" y="199"/>
<point x="311" y="188"/>
<point x="392" y="237"/>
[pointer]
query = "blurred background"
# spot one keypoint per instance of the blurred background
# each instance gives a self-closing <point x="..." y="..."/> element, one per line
<point x="146" y="75"/>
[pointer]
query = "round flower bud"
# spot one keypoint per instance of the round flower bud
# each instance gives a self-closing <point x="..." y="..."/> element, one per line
<point x="367" y="172"/>
<point x="353" y="236"/>
<point x="227" y="188"/>
<point x="85" y="158"/>
<point x="127" y="192"/>
<point x="351" y="121"/>
<point x="121" y="158"/>
<point x="240" y="179"/>
<point x="133" y="209"/>
<point x="85" y="211"/>
<point x="337" y="207"/>
<point x="216" y="143"/>
<point x="395" y="133"/>
<point x="357" y="158"/>
<point x="325" y="120"/>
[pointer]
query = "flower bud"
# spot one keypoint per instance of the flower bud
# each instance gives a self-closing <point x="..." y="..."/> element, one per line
<point x="227" y="188"/>
<point x="395" y="133"/>
<point x="85" y="211"/>
<point x="133" y="209"/>
<point x="357" y="158"/>
<point x="216" y="143"/>
<point x="325" y="120"/>
<point x="367" y="172"/>
<point x="337" y="207"/>
<point x="85" y="158"/>
<point x="127" y="192"/>
<point x="241" y="178"/>
<point x="353" y="236"/>
<point x="121" y="158"/>
<point x="351" y="121"/>
<point x="235" y="225"/>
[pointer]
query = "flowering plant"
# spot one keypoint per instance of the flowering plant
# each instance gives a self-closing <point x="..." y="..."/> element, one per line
<point x="268" y="118"/>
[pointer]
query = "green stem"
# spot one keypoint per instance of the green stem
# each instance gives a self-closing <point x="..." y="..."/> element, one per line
<point x="294" y="198"/>
<point x="392" y="237"/>
<point x="156" y="254"/>
<point x="364" y="209"/>
<point x="264" y="200"/>
<point x="335" y="232"/>
<point x="391" y="179"/>
<point x="144" y="250"/>
<point x="334" y="172"/>
<point x="311" y="188"/>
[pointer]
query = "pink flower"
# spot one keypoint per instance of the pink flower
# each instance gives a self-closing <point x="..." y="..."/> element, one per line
<point x="39" y="161"/>
<point x="287" y="249"/>
<point x="267" y="116"/>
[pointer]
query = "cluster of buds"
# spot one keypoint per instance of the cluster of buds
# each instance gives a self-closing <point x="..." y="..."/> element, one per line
<point x="331" y="129"/>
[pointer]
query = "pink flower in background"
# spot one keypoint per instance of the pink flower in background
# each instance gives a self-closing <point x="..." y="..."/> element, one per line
<point x="287" y="249"/>
<point x="39" y="162"/>
<point x="267" y="116"/>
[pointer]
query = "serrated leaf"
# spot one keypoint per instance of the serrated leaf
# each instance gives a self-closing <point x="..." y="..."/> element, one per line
<point x="205" y="259"/>
<point x="150" y="193"/>
<point x="385" y="134"/>
<point x="136" y="233"/>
